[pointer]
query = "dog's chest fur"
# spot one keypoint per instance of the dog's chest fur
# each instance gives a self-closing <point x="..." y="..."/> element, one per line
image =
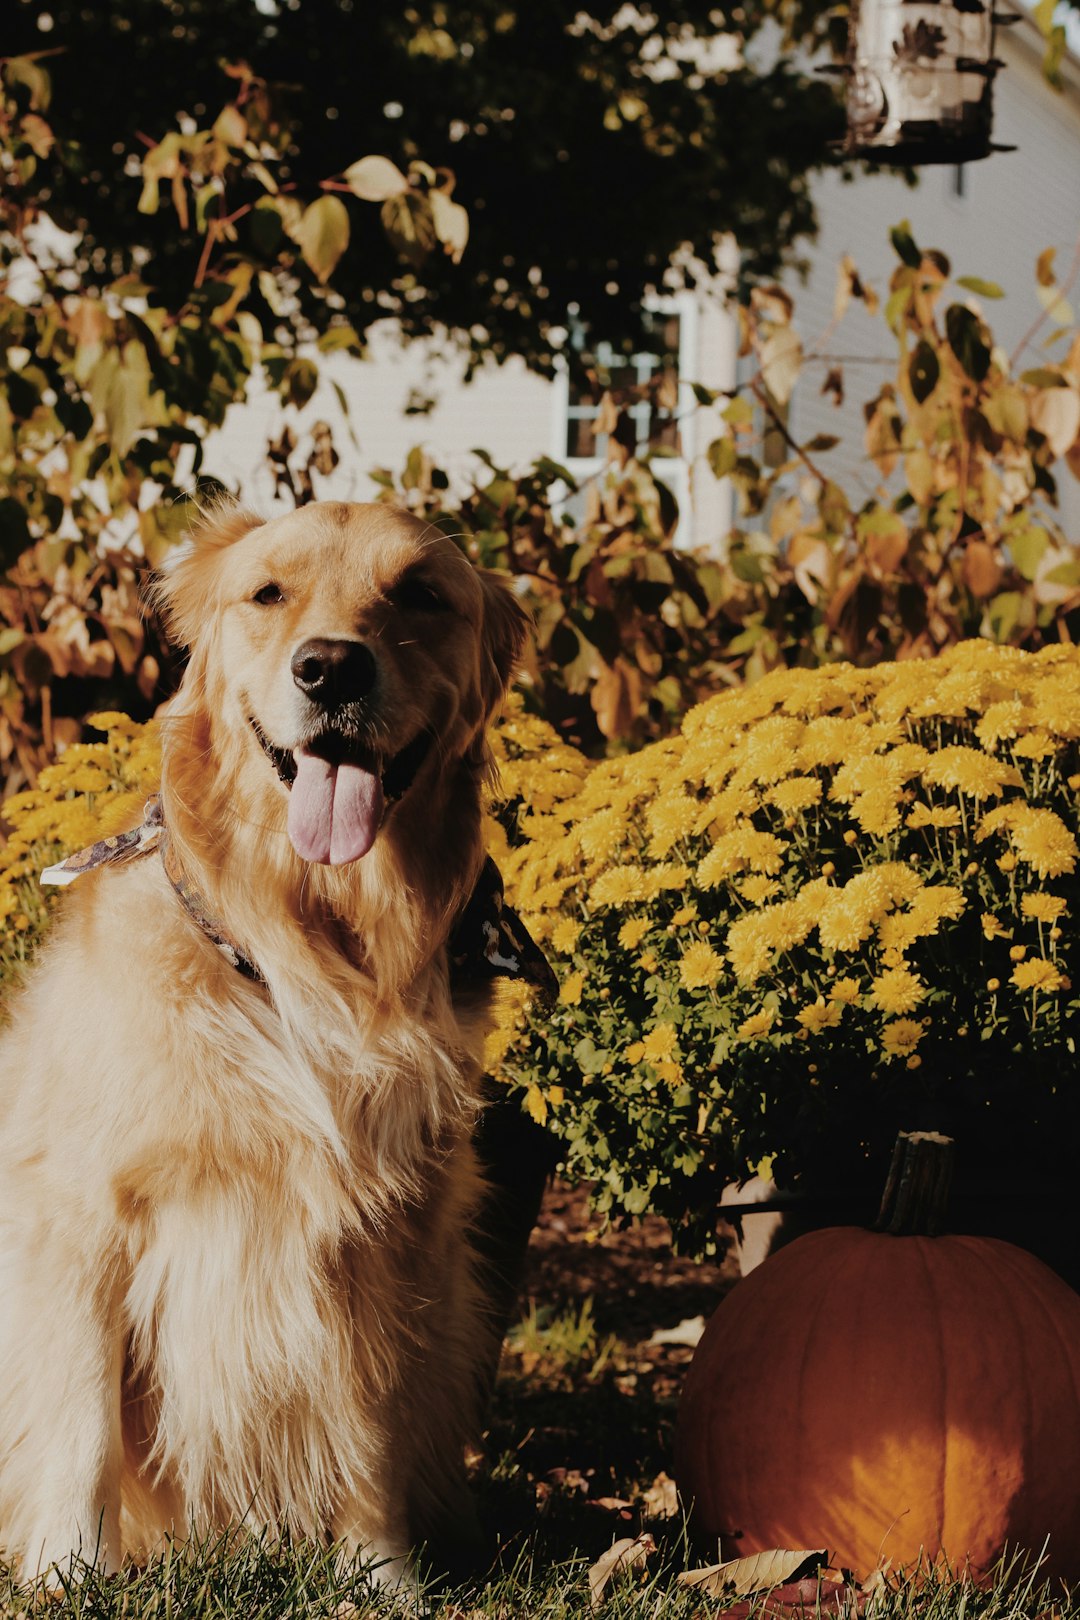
<point x="283" y="1220"/>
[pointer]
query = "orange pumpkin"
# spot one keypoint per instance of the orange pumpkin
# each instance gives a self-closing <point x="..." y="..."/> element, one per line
<point x="888" y="1397"/>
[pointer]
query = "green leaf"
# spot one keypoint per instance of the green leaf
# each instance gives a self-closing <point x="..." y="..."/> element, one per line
<point x="722" y="456"/>
<point x="1043" y="377"/>
<point x="896" y="307"/>
<point x="1004" y="613"/>
<point x="408" y="222"/>
<point x="964" y="332"/>
<point x="1055" y="55"/>
<point x="127" y="398"/>
<point x="740" y="412"/>
<point x="904" y="243"/>
<point x="985" y="289"/>
<point x="924" y="369"/>
<point x="323" y="235"/>
<point x="1056" y="305"/>
<point x="300" y="380"/>
<point x="25" y="71"/>
<point x="1028" y="549"/>
<point x="14" y="532"/>
<point x="375" y="178"/>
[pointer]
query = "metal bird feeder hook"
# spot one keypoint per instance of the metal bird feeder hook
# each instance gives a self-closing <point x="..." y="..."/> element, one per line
<point x="920" y="77"/>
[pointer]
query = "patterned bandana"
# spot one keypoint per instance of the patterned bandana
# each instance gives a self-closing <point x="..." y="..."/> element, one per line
<point x="488" y="940"/>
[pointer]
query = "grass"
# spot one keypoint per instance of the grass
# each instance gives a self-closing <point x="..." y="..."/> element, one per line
<point x="577" y="1436"/>
<point x="242" y="1577"/>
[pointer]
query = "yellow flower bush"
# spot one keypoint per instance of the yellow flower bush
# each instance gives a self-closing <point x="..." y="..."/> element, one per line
<point x="788" y="921"/>
<point x="838" y="902"/>
<point x="92" y="790"/>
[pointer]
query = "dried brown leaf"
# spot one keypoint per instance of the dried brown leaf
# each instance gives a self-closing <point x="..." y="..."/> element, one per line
<point x="662" y="1498"/>
<point x="621" y="1559"/>
<point x="758" y="1573"/>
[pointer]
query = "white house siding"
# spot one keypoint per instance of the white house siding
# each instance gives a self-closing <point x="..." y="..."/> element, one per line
<point x="504" y="410"/>
<point x="1014" y="205"/>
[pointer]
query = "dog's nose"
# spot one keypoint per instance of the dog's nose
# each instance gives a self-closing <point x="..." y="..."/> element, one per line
<point x="333" y="672"/>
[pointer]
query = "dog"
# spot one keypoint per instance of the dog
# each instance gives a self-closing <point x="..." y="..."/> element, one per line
<point x="238" y="1095"/>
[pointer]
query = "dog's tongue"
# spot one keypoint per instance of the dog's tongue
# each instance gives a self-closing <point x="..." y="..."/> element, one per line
<point x="334" y="810"/>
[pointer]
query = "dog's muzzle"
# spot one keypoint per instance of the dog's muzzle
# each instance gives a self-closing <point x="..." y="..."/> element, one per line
<point x="340" y="789"/>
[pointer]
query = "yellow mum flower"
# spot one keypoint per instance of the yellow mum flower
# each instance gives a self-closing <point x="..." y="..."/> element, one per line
<point x="901" y="1036"/>
<point x="536" y="1104"/>
<point x="845" y="991"/>
<point x="1039" y="837"/>
<point x="748" y="948"/>
<point x="1036" y="745"/>
<point x="112" y="720"/>
<point x="970" y="771"/>
<point x="648" y="961"/>
<point x="671" y="817"/>
<point x="619" y="886"/>
<point x="755" y="889"/>
<point x="684" y="915"/>
<point x="564" y="935"/>
<point x="1000" y="721"/>
<point x="635" y="1052"/>
<point x="820" y="1015"/>
<point x="700" y="966"/>
<point x="1037" y="974"/>
<point x="670" y="1073"/>
<point x="571" y="988"/>
<point x="930" y="907"/>
<point x="1042" y="840"/>
<point x="877" y="811"/>
<point x="925" y="815"/>
<point x="897" y="990"/>
<point x="1043" y="907"/>
<point x="661" y="1042"/>
<point x="797" y="793"/>
<point x="757" y="1025"/>
<point x="668" y="875"/>
<point x="633" y="931"/>
<point x="744" y="846"/>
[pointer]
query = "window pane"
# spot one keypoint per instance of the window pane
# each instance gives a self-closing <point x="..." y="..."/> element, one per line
<point x="646" y="382"/>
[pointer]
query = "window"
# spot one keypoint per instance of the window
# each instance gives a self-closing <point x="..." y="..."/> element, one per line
<point x="663" y="414"/>
<point x="654" y="371"/>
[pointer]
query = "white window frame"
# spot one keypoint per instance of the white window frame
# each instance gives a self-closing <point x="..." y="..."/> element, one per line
<point x="673" y="471"/>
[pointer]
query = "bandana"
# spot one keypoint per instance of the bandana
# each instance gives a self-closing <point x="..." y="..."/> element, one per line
<point x="488" y="940"/>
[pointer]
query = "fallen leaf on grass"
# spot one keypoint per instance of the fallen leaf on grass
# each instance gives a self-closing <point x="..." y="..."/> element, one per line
<point x="662" y="1498"/>
<point x="740" y="1576"/>
<point x="622" y="1558"/>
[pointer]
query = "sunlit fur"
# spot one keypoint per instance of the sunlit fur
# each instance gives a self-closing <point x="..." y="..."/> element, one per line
<point x="235" y="1281"/>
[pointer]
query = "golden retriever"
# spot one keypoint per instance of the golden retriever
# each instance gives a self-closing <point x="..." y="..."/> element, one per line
<point x="235" y="1277"/>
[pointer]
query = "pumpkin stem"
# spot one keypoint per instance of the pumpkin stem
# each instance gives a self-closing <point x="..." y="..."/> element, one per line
<point x="917" y="1189"/>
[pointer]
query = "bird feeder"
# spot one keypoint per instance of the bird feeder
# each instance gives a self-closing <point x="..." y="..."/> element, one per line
<point x="920" y="77"/>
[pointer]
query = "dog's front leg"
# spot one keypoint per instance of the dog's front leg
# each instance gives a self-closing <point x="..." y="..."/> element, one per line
<point x="377" y="1534"/>
<point x="61" y="1354"/>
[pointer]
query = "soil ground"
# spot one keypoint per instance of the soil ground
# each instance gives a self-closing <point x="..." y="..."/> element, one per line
<point x="580" y="1441"/>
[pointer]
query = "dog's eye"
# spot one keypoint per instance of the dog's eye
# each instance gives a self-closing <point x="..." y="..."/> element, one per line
<point x="414" y="595"/>
<point x="267" y="595"/>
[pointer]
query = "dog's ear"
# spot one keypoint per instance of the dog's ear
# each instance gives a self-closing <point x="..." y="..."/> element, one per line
<point x="506" y="624"/>
<point x="185" y="590"/>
